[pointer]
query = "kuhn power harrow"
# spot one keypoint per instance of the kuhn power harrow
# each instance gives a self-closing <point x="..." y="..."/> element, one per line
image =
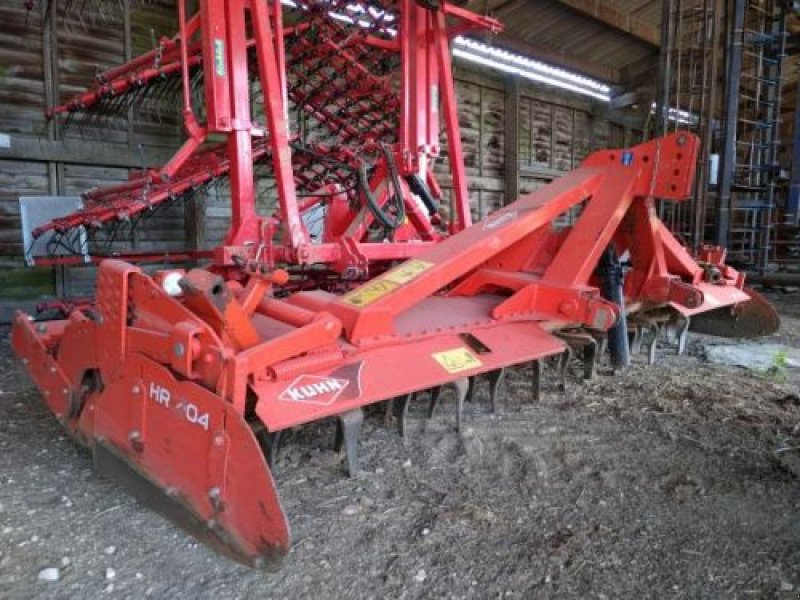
<point x="181" y="383"/>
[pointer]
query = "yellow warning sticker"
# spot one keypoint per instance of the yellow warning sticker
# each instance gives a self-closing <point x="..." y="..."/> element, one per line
<point x="389" y="281"/>
<point x="370" y="292"/>
<point x="411" y="269"/>
<point x="457" y="360"/>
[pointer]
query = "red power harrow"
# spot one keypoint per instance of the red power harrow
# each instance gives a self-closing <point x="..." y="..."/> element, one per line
<point x="182" y="383"/>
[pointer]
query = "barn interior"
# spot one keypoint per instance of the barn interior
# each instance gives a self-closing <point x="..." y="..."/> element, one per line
<point x="607" y="424"/>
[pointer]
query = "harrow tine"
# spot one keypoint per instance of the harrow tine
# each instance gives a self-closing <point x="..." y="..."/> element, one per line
<point x="563" y="364"/>
<point x="270" y="443"/>
<point x="652" y="343"/>
<point x="400" y="410"/>
<point x="462" y="388"/>
<point x="388" y="407"/>
<point x="586" y="345"/>
<point x="471" y="388"/>
<point x="589" y="358"/>
<point x="348" y="430"/>
<point x="636" y="341"/>
<point x="435" y="395"/>
<point x="536" y="381"/>
<point x="683" y="335"/>
<point x="495" y="379"/>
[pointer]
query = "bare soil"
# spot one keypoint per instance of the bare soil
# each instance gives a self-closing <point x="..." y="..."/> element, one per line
<point x="673" y="481"/>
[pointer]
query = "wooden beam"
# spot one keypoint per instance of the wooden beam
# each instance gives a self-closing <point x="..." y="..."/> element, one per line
<point x="644" y="72"/>
<point x="83" y="153"/>
<point x="616" y="18"/>
<point x="511" y="140"/>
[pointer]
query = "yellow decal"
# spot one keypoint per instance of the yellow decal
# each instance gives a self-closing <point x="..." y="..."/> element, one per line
<point x="388" y="282"/>
<point x="370" y="292"/>
<point x="411" y="269"/>
<point x="457" y="360"/>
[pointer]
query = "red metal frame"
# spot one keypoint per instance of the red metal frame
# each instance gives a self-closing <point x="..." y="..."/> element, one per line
<point x="254" y="344"/>
<point x="196" y="370"/>
<point x="214" y="41"/>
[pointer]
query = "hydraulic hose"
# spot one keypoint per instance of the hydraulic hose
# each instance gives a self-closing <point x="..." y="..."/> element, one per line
<point x="381" y="216"/>
<point x="611" y="279"/>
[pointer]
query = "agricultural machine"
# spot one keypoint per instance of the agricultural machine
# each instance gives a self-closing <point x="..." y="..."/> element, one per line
<point x="368" y="284"/>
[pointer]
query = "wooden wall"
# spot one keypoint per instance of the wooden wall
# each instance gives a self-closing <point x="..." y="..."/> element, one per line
<point x="43" y="59"/>
<point x="46" y="56"/>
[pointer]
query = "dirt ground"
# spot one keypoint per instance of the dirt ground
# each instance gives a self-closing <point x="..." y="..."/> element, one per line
<point x="680" y="480"/>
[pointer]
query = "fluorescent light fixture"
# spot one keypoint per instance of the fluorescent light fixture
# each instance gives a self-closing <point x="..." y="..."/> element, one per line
<point x="508" y="62"/>
<point x="683" y="117"/>
<point x="533" y="70"/>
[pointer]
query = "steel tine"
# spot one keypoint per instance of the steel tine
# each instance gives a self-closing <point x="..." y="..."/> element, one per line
<point x="436" y="393"/>
<point x="652" y="343"/>
<point x="495" y="380"/>
<point x="536" y="381"/>
<point x="636" y="342"/>
<point x="563" y="365"/>
<point x="388" y="409"/>
<point x="270" y="443"/>
<point x="348" y="430"/>
<point x="471" y="388"/>
<point x="462" y="387"/>
<point x="400" y="410"/>
<point x="683" y="335"/>
<point x="589" y="358"/>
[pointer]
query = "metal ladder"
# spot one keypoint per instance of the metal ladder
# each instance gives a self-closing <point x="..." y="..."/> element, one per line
<point x="756" y="49"/>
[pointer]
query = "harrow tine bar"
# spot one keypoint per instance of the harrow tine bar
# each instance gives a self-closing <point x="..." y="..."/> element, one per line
<point x="348" y="430"/>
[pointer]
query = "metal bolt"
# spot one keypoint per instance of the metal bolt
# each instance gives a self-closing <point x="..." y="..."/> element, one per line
<point x="135" y="389"/>
<point x="41" y="328"/>
<point x="66" y="391"/>
<point x="179" y="349"/>
<point x="219" y="440"/>
<point x="52" y="369"/>
<point x="134" y="435"/>
<point x="214" y="493"/>
<point x="25" y="361"/>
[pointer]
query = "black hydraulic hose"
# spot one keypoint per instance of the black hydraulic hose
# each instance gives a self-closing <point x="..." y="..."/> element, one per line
<point x="382" y="217"/>
<point x="418" y="186"/>
<point x="612" y="278"/>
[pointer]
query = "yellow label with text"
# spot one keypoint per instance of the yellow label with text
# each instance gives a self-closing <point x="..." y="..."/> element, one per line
<point x="411" y="269"/>
<point x="370" y="292"/>
<point x="457" y="360"/>
<point x="389" y="281"/>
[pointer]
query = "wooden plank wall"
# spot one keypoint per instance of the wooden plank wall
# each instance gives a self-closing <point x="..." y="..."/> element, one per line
<point x="47" y="56"/>
<point x="556" y="131"/>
